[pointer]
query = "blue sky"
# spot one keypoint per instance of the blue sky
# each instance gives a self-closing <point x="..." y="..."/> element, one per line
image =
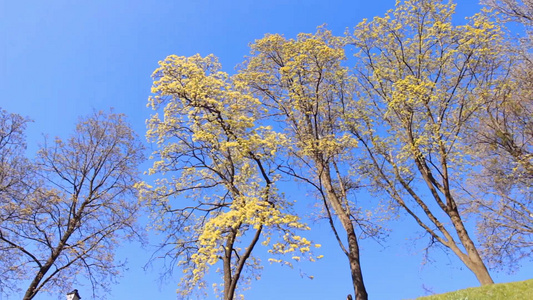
<point x="61" y="59"/>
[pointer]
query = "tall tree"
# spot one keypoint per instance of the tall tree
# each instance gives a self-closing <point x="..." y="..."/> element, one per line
<point x="217" y="197"/>
<point x="304" y="87"/>
<point x="80" y="203"/>
<point x="422" y="81"/>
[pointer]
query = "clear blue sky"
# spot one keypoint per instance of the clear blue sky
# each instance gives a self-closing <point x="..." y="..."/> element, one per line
<point x="60" y="59"/>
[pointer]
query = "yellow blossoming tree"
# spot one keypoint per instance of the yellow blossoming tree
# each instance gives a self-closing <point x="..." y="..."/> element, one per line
<point x="217" y="196"/>
<point x="304" y="86"/>
<point x="422" y="81"/>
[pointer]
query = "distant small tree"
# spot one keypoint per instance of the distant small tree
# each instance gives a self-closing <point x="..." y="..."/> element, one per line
<point x="78" y="201"/>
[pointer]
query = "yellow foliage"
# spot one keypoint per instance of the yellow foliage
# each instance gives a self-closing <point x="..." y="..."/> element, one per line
<point x="211" y="136"/>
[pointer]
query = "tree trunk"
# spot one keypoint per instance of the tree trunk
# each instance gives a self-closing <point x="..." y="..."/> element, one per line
<point x="229" y="284"/>
<point x="355" y="266"/>
<point x="472" y="259"/>
<point x="353" y="246"/>
<point x="32" y="289"/>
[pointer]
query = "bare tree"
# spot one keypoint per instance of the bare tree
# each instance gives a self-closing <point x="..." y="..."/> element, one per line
<point x="81" y="202"/>
<point x="14" y="176"/>
<point x="521" y="10"/>
<point x="503" y="138"/>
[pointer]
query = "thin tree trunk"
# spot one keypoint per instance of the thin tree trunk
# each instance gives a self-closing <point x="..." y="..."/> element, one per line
<point x="31" y="291"/>
<point x="229" y="286"/>
<point x="355" y="266"/>
<point x="353" y="246"/>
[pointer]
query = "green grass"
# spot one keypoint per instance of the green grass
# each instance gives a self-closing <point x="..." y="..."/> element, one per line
<point x="519" y="290"/>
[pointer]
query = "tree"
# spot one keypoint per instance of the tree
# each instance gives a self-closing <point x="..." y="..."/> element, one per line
<point x="521" y="10"/>
<point x="217" y="198"/>
<point x="14" y="178"/>
<point x="79" y="202"/>
<point x="304" y="87"/>
<point x="422" y="82"/>
<point x="12" y="147"/>
<point x="504" y="140"/>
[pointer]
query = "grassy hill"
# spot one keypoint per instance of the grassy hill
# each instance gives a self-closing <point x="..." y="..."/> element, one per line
<point x="519" y="290"/>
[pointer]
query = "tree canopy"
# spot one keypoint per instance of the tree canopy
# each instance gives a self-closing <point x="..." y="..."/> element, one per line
<point x="409" y="121"/>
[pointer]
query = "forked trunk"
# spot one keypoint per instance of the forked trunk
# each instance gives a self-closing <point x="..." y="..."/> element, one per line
<point x="231" y="280"/>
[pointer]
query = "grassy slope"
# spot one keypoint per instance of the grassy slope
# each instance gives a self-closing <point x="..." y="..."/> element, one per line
<point x="519" y="290"/>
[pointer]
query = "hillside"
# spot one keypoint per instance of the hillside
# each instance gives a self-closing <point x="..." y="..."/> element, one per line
<point x="519" y="290"/>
